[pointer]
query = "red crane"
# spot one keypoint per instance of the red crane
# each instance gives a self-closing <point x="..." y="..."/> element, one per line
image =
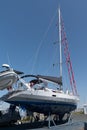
<point x="64" y="42"/>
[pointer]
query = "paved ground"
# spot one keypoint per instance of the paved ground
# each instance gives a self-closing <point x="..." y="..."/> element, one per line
<point x="75" y="126"/>
<point x="77" y="123"/>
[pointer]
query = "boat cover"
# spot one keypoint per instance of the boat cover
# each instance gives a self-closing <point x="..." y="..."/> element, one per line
<point x="57" y="80"/>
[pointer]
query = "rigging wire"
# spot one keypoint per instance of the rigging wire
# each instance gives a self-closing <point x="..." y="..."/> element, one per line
<point x="40" y="44"/>
<point x="53" y="59"/>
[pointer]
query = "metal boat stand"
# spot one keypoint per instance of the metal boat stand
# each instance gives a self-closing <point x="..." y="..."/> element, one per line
<point x="49" y="121"/>
<point x="70" y="121"/>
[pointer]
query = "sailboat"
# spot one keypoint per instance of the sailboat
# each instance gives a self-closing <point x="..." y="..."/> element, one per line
<point x="38" y="97"/>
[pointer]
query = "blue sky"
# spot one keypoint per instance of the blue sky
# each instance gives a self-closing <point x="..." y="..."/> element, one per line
<point x="27" y="33"/>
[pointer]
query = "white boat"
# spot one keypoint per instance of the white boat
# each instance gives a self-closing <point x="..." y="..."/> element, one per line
<point x="40" y="98"/>
<point x="7" y="77"/>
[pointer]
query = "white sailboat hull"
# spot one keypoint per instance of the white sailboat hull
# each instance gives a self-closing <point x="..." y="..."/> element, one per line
<point x="43" y="101"/>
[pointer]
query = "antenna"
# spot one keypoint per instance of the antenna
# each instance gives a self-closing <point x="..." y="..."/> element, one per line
<point x="8" y="59"/>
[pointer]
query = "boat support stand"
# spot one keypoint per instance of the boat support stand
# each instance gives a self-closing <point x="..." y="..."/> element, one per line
<point x="50" y="118"/>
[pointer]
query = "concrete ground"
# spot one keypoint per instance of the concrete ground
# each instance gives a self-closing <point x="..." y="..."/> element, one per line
<point x="77" y="123"/>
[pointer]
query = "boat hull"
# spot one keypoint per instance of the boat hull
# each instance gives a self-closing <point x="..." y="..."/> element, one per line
<point x="41" y="104"/>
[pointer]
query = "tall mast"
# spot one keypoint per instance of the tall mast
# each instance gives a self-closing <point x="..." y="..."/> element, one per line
<point x="60" y="44"/>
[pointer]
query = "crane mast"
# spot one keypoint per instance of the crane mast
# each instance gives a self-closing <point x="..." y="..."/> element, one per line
<point x="63" y="41"/>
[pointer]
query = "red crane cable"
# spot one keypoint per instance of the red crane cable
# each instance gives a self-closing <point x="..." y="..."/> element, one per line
<point x="68" y="60"/>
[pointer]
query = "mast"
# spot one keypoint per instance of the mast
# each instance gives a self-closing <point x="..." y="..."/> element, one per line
<point x="60" y="49"/>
